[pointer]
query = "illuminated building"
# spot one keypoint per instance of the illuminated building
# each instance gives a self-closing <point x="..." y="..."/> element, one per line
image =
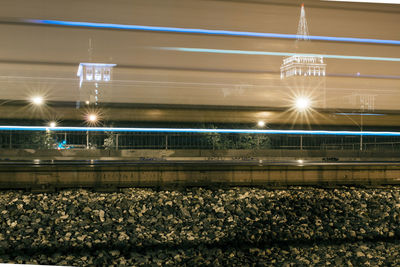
<point x="92" y="74"/>
<point x="305" y="74"/>
<point x="302" y="65"/>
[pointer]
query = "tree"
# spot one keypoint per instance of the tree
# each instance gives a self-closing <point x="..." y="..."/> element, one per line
<point x="44" y="140"/>
<point x="109" y="141"/>
<point x="237" y="141"/>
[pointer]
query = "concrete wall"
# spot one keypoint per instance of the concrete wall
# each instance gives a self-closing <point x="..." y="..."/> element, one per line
<point x="193" y="168"/>
<point x="173" y="175"/>
<point x="271" y="155"/>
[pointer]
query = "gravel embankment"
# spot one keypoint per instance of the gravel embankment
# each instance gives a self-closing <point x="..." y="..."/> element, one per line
<point x="230" y="227"/>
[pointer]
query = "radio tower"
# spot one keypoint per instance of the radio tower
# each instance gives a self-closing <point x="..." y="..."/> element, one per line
<point x="302" y="29"/>
<point x="304" y="74"/>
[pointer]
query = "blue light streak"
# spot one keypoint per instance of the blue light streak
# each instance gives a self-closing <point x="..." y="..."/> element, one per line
<point x="192" y="130"/>
<point x="280" y="54"/>
<point x="359" y="114"/>
<point x="205" y="31"/>
<point x="359" y="75"/>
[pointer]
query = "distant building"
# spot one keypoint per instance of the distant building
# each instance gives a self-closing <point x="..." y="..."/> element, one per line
<point x="303" y="65"/>
<point x="304" y="74"/>
<point x="365" y="102"/>
<point x="92" y="74"/>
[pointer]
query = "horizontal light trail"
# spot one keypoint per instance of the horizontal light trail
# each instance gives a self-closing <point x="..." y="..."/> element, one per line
<point x="393" y="2"/>
<point x="359" y="75"/>
<point x="205" y="31"/>
<point x="359" y="114"/>
<point x="280" y="54"/>
<point x="191" y="130"/>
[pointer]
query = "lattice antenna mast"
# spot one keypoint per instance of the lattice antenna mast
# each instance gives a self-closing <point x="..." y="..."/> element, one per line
<point x="302" y="29"/>
<point x="90" y="49"/>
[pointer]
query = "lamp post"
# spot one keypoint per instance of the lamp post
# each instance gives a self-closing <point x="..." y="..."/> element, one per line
<point x="359" y="125"/>
<point x="302" y="105"/>
<point x="260" y="124"/>
<point x="91" y="119"/>
<point x="361" y="130"/>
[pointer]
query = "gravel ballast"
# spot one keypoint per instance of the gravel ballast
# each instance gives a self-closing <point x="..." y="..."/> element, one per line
<point x="198" y="226"/>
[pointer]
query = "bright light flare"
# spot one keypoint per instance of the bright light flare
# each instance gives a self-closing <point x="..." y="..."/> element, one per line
<point x="53" y="124"/>
<point x="92" y="117"/>
<point x="301" y="108"/>
<point x="261" y="123"/>
<point x="37" y="100"/>
<point x="302" y="103"/>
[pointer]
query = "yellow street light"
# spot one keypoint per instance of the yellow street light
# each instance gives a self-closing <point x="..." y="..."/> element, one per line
<point x="261" y="123"/>
<point x="302" y="103"/>
<point x="92" y="118"/>
<point x="37" y="100"/>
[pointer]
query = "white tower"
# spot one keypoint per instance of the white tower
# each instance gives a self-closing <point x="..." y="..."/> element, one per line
<point x="91" y="75"/>
<point x="302" y="29"/>
<point x="302" y="65"/>
<point x="303" y="73"/>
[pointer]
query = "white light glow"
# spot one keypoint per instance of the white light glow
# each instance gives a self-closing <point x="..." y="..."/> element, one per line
<point x="260" y="123"/>
<point x="97" y="73"/>
<point x="37" y="100"/>
<point x="395" y="2"/>
<point x="302" y="103"/>
<point x="92" y="117"/>
<point x="89" y="73"/>
<point x="53" y="124"/>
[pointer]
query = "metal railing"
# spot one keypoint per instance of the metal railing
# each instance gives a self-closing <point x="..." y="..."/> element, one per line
<point x="160" y="140"/>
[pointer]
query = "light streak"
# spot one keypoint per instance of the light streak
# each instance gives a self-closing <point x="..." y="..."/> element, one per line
<point x="359" y="114"/>
<point x="206" y="31"/>
<point x="280" y="54"/>
<point x="393" y="2"/>
<point x="193" y="130"/>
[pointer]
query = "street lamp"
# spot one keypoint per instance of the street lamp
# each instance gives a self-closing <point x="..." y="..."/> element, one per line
<point x="92" y="118"/>
<point x="261" y="124"/>
<point x="359" y="125"/>
<point x="37" y="100"/>
<point x="302" y="103"/>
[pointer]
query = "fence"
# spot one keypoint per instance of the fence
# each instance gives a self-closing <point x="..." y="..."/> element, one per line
<point x="160" y="140"/>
